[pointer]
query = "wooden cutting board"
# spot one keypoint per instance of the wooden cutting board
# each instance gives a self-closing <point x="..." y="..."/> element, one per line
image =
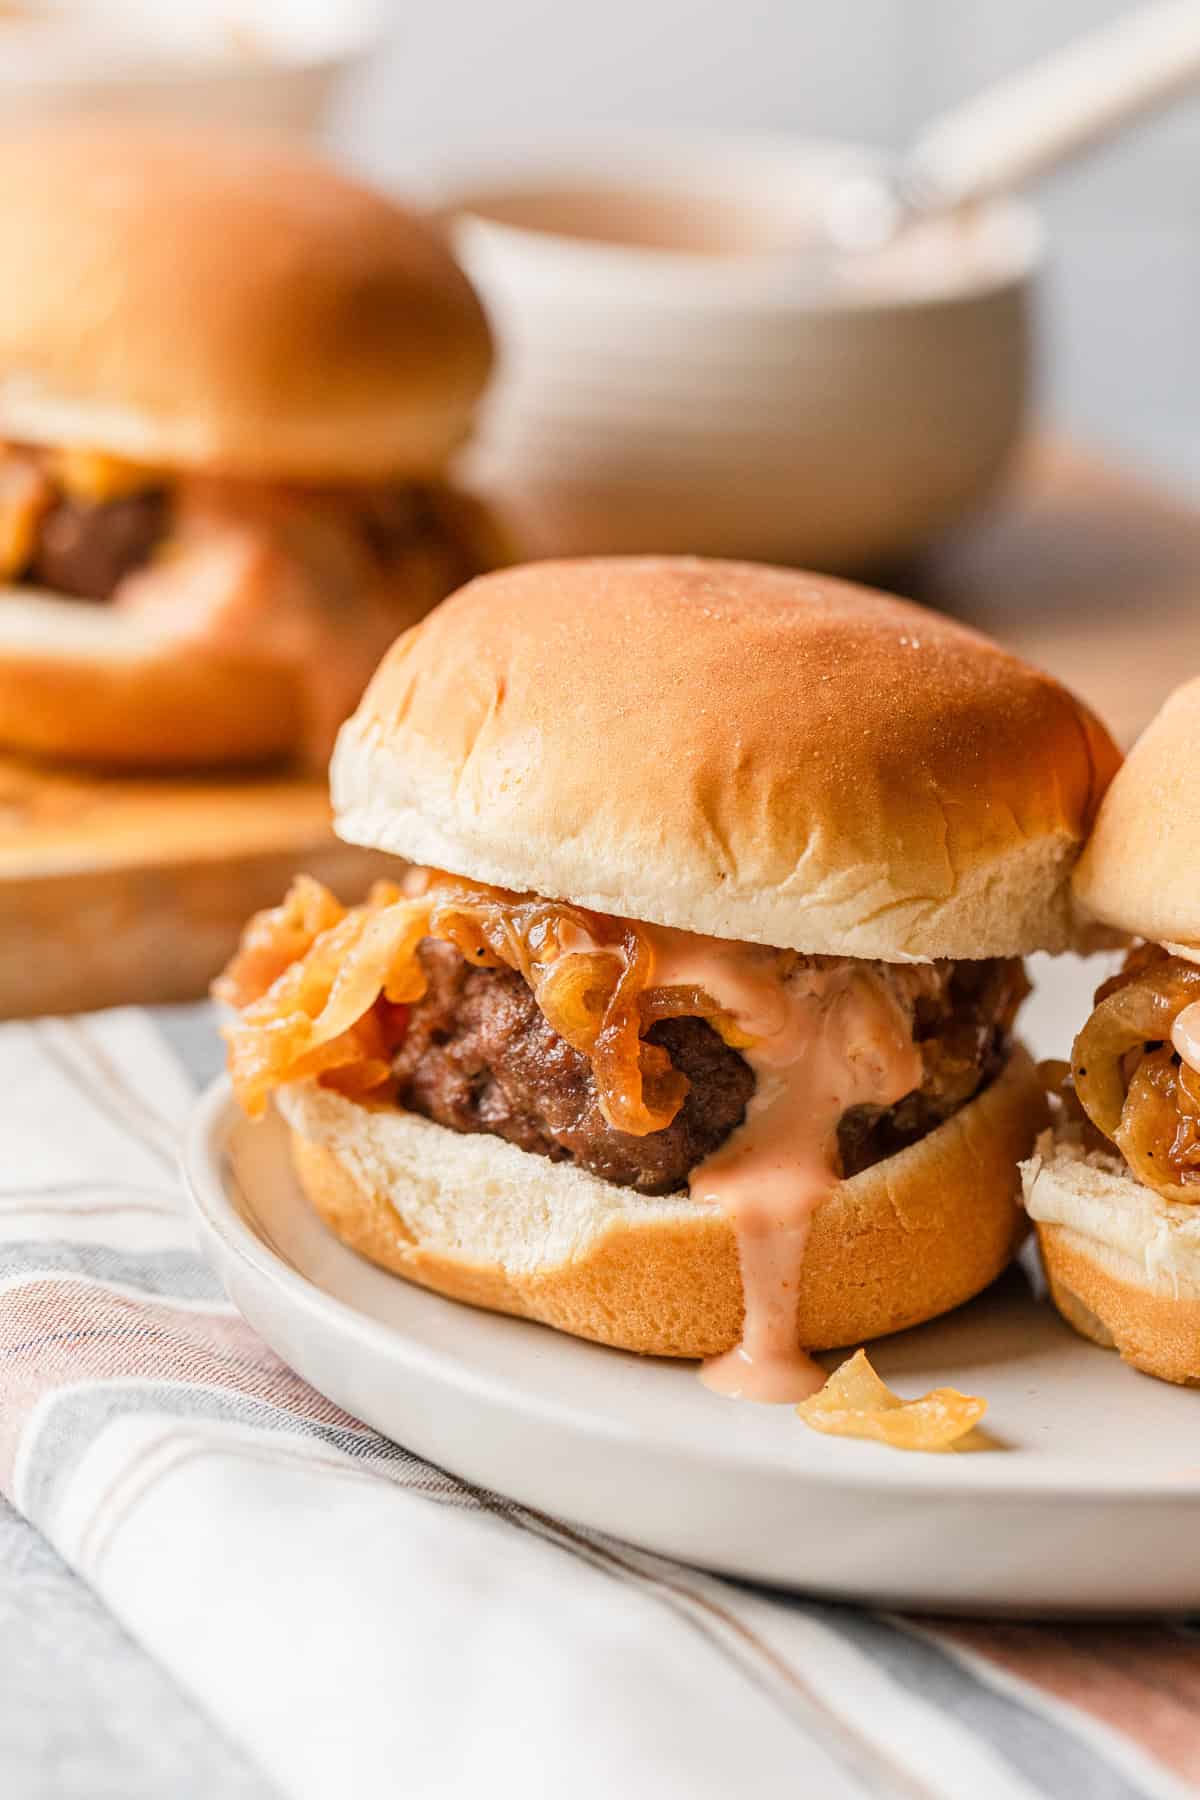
<point x="135" y="890"/>
<point x="1090" y="572"/>
<point x="119" y="890"/>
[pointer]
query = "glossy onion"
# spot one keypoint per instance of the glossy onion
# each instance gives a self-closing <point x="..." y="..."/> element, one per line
<point x="1139" y="1013"/>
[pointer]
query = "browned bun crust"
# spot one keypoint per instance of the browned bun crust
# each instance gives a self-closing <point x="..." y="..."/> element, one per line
<point x="896" y="1245"/>
<point x="728" y="748"/>
<point x="1158" y="1333"/>
<point x="191" y="298"/>
<point x="80" y="683"/>
<point x="1138" y="871"/>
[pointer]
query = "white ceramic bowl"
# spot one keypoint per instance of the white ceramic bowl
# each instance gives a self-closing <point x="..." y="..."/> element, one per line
<point x="746" y="404"/>
<point x="248" y="62"/>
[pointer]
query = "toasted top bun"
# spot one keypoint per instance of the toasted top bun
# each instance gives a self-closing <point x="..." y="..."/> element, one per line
<point x="1139" y="871"/>
<point x="732" y="749"/>
<point x="226" y="301"/>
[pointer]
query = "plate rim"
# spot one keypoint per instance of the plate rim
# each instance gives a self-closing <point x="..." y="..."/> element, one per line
<point x="990" y="1480"/>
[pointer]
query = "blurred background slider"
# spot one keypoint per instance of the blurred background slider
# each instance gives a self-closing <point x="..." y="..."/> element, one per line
<point x="231" y="385"/>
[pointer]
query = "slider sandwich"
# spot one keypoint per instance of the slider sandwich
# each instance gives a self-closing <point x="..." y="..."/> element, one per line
<point x="1114" y="1189"/>
<point x="231" y="381"/>
<point x="689" y="1026"/>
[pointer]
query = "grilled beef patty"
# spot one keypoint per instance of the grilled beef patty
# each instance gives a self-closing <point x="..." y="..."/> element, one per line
<point x="479" y="1056"/>
<point x="87" y="549"/>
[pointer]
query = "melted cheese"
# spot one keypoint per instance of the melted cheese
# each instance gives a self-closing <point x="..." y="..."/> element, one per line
<point x="819" y="1042"/>
<point x="30" y="483"/>
<point x="24" y="496"/>
<point x="91" y="475"/>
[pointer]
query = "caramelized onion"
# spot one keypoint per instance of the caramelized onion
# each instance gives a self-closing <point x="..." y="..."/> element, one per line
<point x="1139" y="1013"/>
<point x="1129" y="1081"/>
<point x="322" y="991"/>
<point x="1159" y="1133"/>
<point x="307" y="1021"/>
<point x="273" y="940"/>
<point x="856" y="1402"/>
<point x="574" y="991"/>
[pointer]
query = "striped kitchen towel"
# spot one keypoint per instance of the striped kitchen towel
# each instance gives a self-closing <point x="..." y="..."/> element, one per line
<point x="362" y="1624"/>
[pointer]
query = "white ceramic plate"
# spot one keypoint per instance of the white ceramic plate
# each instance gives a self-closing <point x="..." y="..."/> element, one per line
<point x="1091" y="1504"/>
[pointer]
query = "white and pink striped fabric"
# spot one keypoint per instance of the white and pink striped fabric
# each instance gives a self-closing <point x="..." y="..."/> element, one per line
<point x="356" y="1623"/>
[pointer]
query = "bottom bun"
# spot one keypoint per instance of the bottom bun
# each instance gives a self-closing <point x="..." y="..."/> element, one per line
<point x="79" y="681"/>
<point x="1123" y="1264"/>
<point x="477" y="1219"/>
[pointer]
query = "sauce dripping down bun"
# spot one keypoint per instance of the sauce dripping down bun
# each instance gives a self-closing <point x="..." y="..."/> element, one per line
<point x="802" y="811"/>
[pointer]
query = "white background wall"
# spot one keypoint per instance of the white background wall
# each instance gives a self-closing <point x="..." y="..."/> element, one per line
<point x="1121" y="302"/>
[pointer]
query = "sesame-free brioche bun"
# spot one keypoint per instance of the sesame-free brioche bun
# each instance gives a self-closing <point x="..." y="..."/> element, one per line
<point x="748" y="752"/>
<point x="85" y="683"/>
<point x="1138" y="872"/>
<point x="1122" y="1263"/>
<point x="215" y="299"/>
<point x="473" y="1217"/>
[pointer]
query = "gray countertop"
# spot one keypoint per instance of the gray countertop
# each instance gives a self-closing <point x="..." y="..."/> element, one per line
<point x="84" y="1713"/>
